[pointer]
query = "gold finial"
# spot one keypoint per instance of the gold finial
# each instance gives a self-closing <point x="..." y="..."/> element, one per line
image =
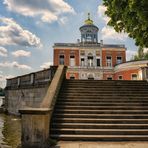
<point x="88" y="21"/>
<point x="88" y="16"/>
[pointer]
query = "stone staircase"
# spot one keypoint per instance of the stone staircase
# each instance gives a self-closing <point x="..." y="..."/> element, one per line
<point x="90" y="110"/>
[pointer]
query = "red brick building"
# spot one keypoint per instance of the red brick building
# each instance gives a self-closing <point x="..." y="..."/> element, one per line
<point x="89" y="59"/>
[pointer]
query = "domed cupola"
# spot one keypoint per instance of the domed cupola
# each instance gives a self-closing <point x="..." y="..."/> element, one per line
<point x="89" y="32"/>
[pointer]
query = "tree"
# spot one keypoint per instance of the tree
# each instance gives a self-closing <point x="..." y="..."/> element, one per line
<point x="141" y="55"/>
<point x="129" y="16"/>
<point x="1" y="92"/>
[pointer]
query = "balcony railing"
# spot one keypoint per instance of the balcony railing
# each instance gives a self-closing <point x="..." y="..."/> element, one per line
<point x="32" y="79"/>
<point x="88" y="67"/>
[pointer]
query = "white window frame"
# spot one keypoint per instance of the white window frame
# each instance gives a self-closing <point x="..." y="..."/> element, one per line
<point x="109" y="64"/>
<point x="72" y="64"/>
<point x="117" y="60"/>
<point x="134" y="74"/>
<point x="64" y="59"/>
<point x="120" y="76"/>
<point x="82" y="63"/>
<point x="100" y="61"/>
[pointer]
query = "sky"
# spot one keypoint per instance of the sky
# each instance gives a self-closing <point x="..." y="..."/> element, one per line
<point x="29" y="29"/>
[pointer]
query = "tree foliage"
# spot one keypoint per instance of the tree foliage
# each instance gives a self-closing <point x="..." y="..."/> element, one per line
<point x="129" y="16"/>
<point x="2" y="92"/>
<point x="141" y="55"/>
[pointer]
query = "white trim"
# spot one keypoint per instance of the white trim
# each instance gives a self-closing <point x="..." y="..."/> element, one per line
<point x="111" y="61"/>
<point x="130" y="65"/>
<point x="113" y="49"/>
<point x="120" y="76"/>
<point x="121" y="59"/>
<point x="134" y="74"/>
<point x="59" y="59"/>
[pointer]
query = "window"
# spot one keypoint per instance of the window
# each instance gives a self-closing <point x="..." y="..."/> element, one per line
<point x="90" y="77"/>
<point x="61" y="60"/>
<point x="72" y="77"/>
<point x="82" y="62"/>
<point x="32" y="78"/>
<point x="134" y="76"/>
<point x="98" y="62"/>
<point x="90" y="60"/>
<point x="109" y="78"/>
<point x="72" y="60"/>
<point x="119" y="60"/>
<point x="120" y="77"/>
<point x="88" y="38"/>
<point x="82" y="53"/>
<point x="109" y="61"/>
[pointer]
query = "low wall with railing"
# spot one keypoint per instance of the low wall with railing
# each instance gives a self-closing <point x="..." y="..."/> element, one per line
<point x="27" y="90"/>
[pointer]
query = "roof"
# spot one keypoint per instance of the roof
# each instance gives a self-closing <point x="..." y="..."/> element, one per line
<point x="89" y="45"/>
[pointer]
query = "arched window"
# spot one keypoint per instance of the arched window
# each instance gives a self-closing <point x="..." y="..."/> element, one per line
<point x="90" y="60"/>
<point x="90" y="76"/>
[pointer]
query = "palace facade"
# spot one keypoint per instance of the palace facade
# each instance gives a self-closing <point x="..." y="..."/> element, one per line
<point x="90" y="59"/>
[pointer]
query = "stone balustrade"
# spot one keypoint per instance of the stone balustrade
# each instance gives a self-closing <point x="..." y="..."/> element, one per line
<point x="36" y="78"/>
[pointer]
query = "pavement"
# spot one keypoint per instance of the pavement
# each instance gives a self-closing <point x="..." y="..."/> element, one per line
<point x="63" y="144"/>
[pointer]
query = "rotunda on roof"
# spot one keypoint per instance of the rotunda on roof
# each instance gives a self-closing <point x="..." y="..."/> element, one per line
<point x="89" y="32"/>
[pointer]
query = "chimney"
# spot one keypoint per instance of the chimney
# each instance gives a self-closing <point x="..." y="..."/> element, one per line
<point x="101" y="42"/>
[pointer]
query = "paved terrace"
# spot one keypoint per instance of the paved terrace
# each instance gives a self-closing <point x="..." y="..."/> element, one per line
<point x="63" y="144"/>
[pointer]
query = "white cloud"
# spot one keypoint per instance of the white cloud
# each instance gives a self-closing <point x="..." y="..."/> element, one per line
<point x="15" y="65"/>
<point x="46" y="65"/>
<point x="12" y="33"/>
<point x="21" y="53"/>
<point x="2" y="77"/>
<point x="101" y="13"/>
<point x="110" y="33"/>
<point x="130" y="54"/>
<point x="145" y="50"/>
<point x="63" y="20"/>
<point x="48" y="10"/>
<point x="3" y="80"/>
<point x="3" y="52"/>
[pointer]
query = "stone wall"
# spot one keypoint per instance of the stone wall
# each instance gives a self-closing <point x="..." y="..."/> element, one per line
<point x="20" y="98"/>
<point x="27" y="90"/>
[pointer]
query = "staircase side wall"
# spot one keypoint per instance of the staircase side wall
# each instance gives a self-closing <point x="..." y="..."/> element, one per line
<point x="21" y="98"/>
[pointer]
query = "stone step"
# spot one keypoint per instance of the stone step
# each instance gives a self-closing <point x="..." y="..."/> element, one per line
<point x="98" y="126"/>
<point x="100" y="121"/>
<point x="68" y="137"/>
<point x="101" y="107"/>
<point x="99" y="131"/>
<point x="102" y="111"/>
<point x="75" y="80"/>
<point x="75" y="92"/>
<point x="98" y="97"/>
<point x="105" y="81"/>
<point x="102" y="116"/>
<point x="109" y="103"/>
<point x="103" y="88"/>
<point x="126" y="87"/>
<point x="105" y="100"/>
<point x="103" y="94"/>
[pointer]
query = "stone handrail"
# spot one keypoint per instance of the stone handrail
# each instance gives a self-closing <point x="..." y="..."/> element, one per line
<point x="53" y="90"/>
<point x="36" y="121"/>
<point x="32" y="79"/>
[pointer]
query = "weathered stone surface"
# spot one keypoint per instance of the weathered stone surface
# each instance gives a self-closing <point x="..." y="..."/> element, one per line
<point x="36" y="121"/>
<point x="35" y="128"/>
<point x="101" y="145"/>
<point x="21" y="98"/>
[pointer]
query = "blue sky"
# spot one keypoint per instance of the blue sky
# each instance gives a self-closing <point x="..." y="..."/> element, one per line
<point x="28" y="30"/>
